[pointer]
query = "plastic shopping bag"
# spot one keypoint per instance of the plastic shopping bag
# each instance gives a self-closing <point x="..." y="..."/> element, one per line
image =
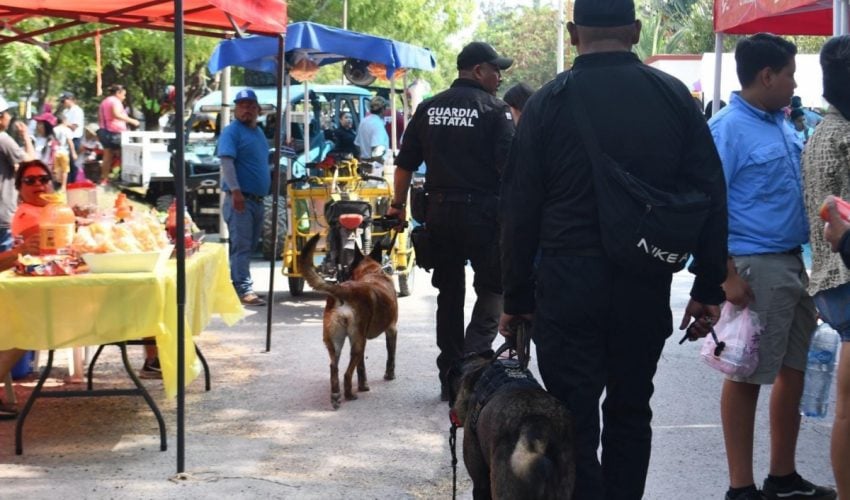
<point x="740" y="330"/>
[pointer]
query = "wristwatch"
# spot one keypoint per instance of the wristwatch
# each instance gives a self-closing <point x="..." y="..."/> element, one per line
<point x="398" y="205"/>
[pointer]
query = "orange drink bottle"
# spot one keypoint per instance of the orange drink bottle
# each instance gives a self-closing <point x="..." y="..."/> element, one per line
<point x="56" y="226"/>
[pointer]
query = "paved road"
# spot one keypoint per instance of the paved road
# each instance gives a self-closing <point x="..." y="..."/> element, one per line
<point x="267" y="430"/>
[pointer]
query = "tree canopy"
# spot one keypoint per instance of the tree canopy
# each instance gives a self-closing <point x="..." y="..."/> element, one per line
<point x="143" y="60"/>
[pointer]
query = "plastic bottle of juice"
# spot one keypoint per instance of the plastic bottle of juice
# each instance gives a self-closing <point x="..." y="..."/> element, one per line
<point x="56" y="226"/>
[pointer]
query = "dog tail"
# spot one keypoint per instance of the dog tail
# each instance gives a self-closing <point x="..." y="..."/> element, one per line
<point x="305" y="265"/>
<point x="535" y="458"/>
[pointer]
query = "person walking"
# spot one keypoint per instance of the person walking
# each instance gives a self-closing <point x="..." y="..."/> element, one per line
<point x="767" y="228"/>
<point x="463" y="135"/>
<point x="246" y="179"/>
<point x="112" y="119"/>
<point x="75" y="120"/>
<point x="598" y="325"/>
<point x="826" y="173"/>
<point x="11" y="155"/>
<point x="371" y="131"/>
<point x="516" y="97"/>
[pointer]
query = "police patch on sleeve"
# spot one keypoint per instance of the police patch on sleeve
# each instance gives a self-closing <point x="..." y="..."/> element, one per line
<point x="508" y="115"/>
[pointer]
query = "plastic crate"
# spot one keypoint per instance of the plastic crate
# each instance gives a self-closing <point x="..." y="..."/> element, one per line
<point x="143" y="155"/>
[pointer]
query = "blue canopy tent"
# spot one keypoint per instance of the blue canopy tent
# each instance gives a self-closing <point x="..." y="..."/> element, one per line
<point x="322" y="45"/>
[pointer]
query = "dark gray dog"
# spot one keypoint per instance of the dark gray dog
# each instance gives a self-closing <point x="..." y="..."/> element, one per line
<point x="518" y="438"/>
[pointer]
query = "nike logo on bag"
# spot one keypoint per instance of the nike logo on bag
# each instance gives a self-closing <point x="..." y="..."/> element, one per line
<point x="795" y="493"/>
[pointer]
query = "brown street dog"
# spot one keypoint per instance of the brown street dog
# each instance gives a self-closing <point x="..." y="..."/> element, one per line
<point x="359" y="309"/>
<point x="517" y="438"/>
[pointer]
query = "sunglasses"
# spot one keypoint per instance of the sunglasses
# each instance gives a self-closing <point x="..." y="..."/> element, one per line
<point x="31" y="180"/>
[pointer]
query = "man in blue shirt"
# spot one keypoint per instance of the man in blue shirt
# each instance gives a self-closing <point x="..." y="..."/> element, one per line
<point x="244" y="154"/>
<point x="767" y="226"/>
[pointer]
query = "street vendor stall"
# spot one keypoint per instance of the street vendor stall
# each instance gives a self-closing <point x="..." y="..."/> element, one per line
<point x="202" y="17"/>
<point x="104" y="308"/>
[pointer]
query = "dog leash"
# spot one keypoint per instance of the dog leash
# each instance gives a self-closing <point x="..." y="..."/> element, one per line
<point x="453" y="447"/>
<point x="518" y="345"/>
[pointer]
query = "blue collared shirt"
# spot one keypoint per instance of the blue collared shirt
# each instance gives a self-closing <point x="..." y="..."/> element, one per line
<point x="761" y="163"/>
<point x="250" y="152"/>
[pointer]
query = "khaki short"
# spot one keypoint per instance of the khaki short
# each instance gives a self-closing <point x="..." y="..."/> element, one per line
<point x="785" y="309"/>
<point x="61" y="163"/>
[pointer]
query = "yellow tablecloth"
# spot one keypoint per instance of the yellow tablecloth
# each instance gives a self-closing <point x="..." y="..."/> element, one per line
<point x="92" y="309"/>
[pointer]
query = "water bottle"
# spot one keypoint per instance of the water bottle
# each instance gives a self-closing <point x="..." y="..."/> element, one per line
<point x="819" y="367"/>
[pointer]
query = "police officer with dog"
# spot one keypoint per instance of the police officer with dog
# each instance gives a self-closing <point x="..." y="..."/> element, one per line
<point x="463" y="135"/>
<point x="598" y="325"/>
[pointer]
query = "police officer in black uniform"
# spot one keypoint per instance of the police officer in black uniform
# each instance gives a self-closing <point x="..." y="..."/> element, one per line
<point x="600" y="326"/>
<point x="463" y="135"/>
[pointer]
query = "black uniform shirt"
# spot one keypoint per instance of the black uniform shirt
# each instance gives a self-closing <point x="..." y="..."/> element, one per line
<point x="463" y="135"/>
<point x="643" y="118"/>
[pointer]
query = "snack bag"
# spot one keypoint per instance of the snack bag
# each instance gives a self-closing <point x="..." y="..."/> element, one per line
<point x="740" y="330"/>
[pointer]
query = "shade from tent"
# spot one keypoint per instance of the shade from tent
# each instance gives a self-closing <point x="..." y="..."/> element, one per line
<point x="322" y="45"/>
<point x="781" y="17"/>
<point x="267" y="16"/>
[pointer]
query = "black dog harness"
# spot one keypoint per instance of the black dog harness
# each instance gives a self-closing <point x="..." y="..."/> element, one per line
<point x="501" y="373"/>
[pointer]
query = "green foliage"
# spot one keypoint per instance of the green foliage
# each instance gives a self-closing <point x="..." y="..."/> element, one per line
<point x="535" y="58"/>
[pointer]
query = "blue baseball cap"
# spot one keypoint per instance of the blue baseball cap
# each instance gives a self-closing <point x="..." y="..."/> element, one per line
<point x="246" y="95"/>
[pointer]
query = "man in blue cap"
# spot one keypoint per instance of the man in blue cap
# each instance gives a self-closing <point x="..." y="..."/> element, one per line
<point x="599" y="326"/>
<point x="244" y="155"/>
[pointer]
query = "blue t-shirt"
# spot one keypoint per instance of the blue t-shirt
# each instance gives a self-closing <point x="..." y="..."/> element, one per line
<point x="761" y="163"/>
<point x="250" y="152"/>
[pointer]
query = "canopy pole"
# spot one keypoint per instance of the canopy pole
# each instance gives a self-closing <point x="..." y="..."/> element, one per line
<point x="180" y="188"/>
<point x="224" y="120"/>
<point x="837" y="20"/>
<point x="278" y="136"/>
<point x="405" y="101"/>
<point x="718" y="62"/>
<point x="308" y="113"/>
<point x="393" y="124"/>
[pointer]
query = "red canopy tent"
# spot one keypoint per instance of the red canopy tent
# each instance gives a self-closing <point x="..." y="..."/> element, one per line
<point x="201" y="17"/>
<point x="781" y="17"/>
<point x="219" y="18"/>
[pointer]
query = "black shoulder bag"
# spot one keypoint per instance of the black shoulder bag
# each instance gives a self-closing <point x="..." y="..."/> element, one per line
<point x="646" y="230"/>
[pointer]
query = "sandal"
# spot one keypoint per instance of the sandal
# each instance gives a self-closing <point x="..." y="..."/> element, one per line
<point x="8" y="412"/>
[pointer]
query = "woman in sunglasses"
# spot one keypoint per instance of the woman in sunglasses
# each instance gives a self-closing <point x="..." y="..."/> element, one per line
<point x="32" y="179"/>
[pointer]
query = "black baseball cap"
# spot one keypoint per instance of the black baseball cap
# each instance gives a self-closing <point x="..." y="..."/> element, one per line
<point x="604" y="13"/>
<point x="65" y="95"/>
<point x="480" y="52"/>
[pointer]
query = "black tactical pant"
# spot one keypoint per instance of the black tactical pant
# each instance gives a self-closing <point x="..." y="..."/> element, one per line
<point x="464" y="228"/>
<point x="598" y="328"/>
